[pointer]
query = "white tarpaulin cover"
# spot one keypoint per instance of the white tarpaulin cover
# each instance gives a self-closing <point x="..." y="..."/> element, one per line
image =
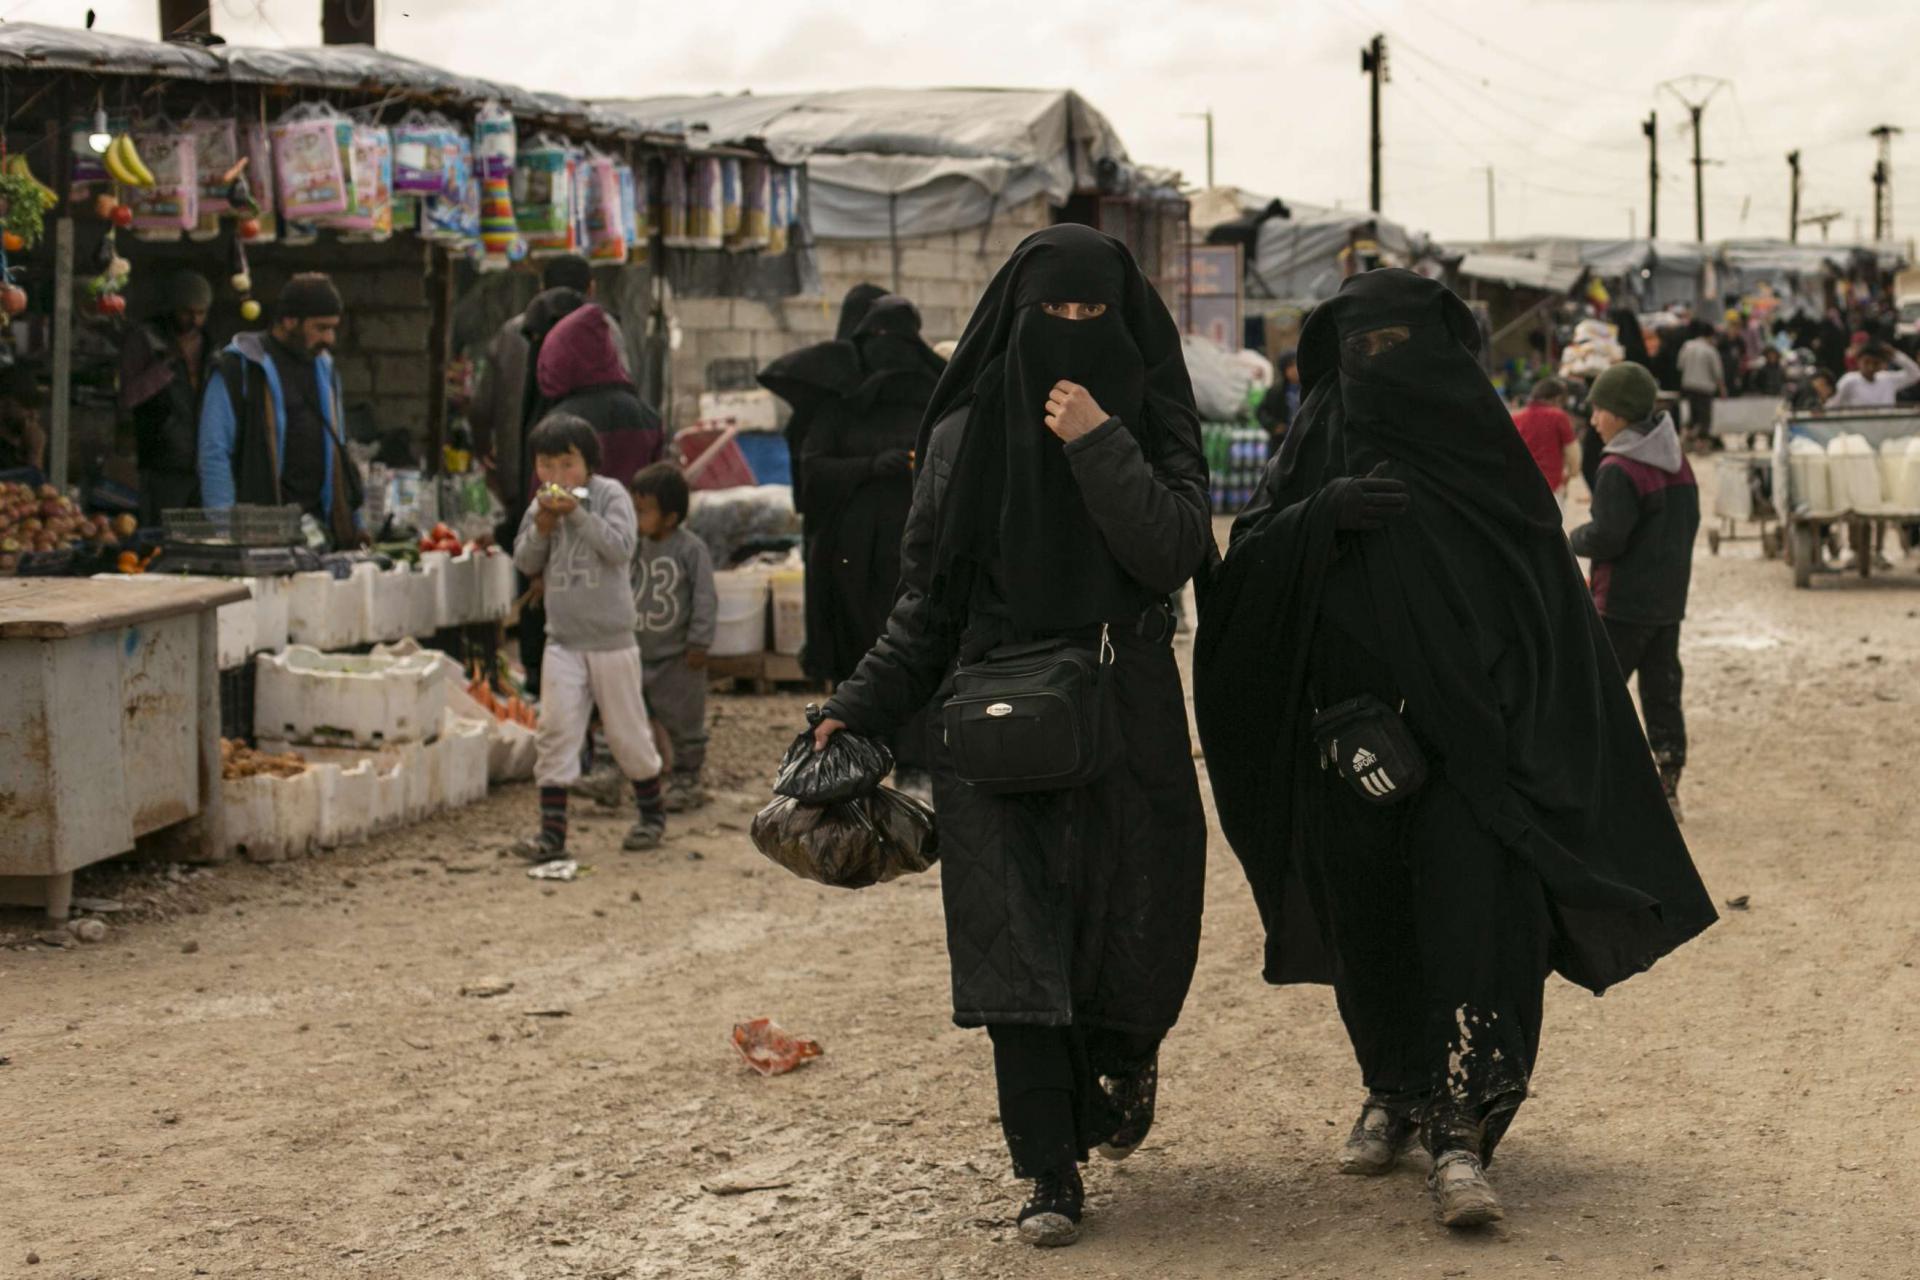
<point x="944" y="159"/>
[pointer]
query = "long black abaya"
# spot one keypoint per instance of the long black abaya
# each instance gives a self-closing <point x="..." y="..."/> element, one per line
<point x="1469" y="608"/>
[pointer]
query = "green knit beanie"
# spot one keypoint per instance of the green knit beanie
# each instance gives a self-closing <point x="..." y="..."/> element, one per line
<point x="1626" y="389"/>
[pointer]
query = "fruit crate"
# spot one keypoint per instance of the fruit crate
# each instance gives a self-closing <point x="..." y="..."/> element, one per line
<point x="243" y="525"/>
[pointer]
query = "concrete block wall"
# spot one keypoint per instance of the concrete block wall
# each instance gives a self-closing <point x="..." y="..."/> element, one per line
<point x="943" y="274"/>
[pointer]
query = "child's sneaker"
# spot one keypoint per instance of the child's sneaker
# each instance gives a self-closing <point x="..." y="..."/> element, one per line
<point x="647" y="833"/>
<point x="606" y="787"/>
<point x="544" y="847"/>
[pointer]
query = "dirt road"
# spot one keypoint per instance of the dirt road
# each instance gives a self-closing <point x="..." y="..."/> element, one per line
<point x="273" y="1071"/>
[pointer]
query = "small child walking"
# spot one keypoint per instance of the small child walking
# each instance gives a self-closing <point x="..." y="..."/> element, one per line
<point x="675" y="607"/>
<point x="582" y="547"/>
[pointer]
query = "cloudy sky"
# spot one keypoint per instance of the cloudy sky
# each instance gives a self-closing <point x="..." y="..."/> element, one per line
<point x="1549" y="93"/>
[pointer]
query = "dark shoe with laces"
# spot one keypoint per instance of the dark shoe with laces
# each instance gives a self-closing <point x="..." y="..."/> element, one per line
<point x="644" y="834"/>
<point x="1381" y="1135"/>
<point x="543" y="846"/>
<point x="1051" y="1216"/>
<point x="1133" y="1096"/>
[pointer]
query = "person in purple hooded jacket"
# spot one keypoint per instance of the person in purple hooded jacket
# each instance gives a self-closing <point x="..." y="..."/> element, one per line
<point x="580" y="373"/>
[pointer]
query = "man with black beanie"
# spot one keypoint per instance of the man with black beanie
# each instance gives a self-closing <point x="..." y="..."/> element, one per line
<point x="272" y="426"/>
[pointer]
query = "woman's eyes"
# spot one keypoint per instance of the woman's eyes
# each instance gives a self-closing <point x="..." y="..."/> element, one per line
<point x="1376" y="342"/>
<point x="1074" y="310"/>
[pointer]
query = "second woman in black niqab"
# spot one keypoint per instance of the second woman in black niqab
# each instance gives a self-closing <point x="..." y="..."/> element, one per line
<point x="1044" y="510"/>
<point x="1402" y="546"/>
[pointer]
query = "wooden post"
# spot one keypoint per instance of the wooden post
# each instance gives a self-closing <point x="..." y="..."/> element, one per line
<point x="60" y="419"/>
<point x="439" y="351"/>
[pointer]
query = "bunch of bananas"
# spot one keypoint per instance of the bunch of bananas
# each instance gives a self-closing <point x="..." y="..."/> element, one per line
<point x="16" y="167"/>
<point x="125" y="164"/>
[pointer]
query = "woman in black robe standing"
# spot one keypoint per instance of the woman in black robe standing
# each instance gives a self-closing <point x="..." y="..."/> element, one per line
<point x="1061" y="494"/>
<point x="1403" y="549"/>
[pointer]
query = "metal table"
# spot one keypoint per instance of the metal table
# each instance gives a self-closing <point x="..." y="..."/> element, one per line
<point x="109" y="725"/>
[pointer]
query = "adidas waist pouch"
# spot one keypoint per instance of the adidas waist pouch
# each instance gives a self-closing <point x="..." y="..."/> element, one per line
<point x="1367" y="743"/>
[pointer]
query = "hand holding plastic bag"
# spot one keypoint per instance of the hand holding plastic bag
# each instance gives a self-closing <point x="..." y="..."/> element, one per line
<point x="849" y="768"/>
<point x="852" y="844"/>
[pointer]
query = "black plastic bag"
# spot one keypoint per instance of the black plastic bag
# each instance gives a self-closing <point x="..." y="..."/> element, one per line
<point x="852" y="844"/>
<point x="850" y="767"/>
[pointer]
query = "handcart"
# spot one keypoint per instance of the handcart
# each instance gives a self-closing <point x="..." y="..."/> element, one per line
<point x="1807" y="518"/>
<point x="1743" y="494"/>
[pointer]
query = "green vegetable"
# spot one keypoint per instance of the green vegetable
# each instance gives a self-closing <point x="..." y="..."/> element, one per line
<point x="26" y="216"/>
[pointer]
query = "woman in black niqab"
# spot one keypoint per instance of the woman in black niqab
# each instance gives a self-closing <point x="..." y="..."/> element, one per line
<point x="1541" y="842"/>
<point x="1060" y="494"/>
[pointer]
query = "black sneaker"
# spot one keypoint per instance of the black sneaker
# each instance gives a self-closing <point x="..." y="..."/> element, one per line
<point x="1380" y="1137"/>
<point x="1133" y="1096"/>
<point x="1051" y="1216"/>
<point x="647" y="833"/>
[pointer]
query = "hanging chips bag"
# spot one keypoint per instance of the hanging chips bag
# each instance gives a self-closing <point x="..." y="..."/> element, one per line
<point x="422" y="145"/>
<point x="313" y="153"/>
<point x="606" y="211"/>
<point x="706" y="216"/>
<point x="216" y="150"/>
<point x="172" y="204"/>
<point x="543" y="177"/>
<point x="675" y="232"/>
<point x="371" y="217"/>
<point x="733" y="206"/>
<point x="780" y="209"/>
<point x="257" y="146"/>
<point x="756" y="182"/>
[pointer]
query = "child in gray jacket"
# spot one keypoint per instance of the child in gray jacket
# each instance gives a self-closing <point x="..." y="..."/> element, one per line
<point x="578" y="537"/>
<point x="675" y="609"/>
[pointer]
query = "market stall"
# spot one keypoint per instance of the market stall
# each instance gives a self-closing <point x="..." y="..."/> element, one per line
<point x="1859" y="469"/>
<point x="109" y="725"/>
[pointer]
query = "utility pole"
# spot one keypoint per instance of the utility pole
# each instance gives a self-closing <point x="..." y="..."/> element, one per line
<point x="1650" y="127"/>
<point x="1373" y="63"/>
<point x="1206" y="115"/>
<point x="1490" y="234"/>
<point x="185" y="18"/>
<point x="346" y="22"/>
<point x="1793" y="199"/>
<point x="1883" y="182"/>
<point x="1696" y="110"/>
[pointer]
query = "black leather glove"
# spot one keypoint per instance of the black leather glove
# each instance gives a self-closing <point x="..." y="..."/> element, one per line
<point x="894" y="462"/>
<point x="1369" y="501"/>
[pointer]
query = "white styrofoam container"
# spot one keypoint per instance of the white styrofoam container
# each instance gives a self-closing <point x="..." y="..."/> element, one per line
<point x="270" y="597"/>
<point x="423" y="618"/>
<point x="741" y="628"/>
<point x="269" y="819"/>
<point x="1807" y="472"/>
<point x="346" y="803"/>
<point x="462" y="590"/>
<point x="365" y="700"/>
<point x="325" y="612"/>
<point x="496" y="584"/>
<point x="1853" y="471"/>
<point x="789" y="587"/>
<point x="392" y="609"/>
<point x="463" y="761"/>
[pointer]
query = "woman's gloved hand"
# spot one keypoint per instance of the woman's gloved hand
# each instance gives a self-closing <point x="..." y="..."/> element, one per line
<point x="1367" y="502"/>
<point x="893" y="462"/>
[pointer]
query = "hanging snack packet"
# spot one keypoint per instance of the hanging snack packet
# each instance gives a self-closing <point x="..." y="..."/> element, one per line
<point x="756" y="181"/>
<point x="606" y="211"/>
<point x="313" y="152"/>
<point x="421" y="145"/>
<point x="675" y="232"/>
<point x="543" y="197"/>
<point x="705" y="214"/>
<point x="371" y="217"/>
<point x="733" y="206"/>
<point x="172" y="204"/>
<point x="216" y="145"/>
<point x="257" y="146"/>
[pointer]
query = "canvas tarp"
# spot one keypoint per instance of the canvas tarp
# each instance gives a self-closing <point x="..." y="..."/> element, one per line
<point x="913" y="161"/>
<point x="1301" y="257"/>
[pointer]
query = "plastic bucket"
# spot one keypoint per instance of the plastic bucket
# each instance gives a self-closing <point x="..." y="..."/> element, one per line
<point x="789" y="611"/>
<point x="741" y="627"/>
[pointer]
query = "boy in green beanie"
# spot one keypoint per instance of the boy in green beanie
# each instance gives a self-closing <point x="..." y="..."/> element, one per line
<point x="1646" y="511"/>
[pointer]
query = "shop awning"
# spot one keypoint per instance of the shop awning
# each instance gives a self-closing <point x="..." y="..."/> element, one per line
<point x="1521" y="273"/>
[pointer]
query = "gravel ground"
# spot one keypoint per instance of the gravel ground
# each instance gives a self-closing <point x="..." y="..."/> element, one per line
<point x="292" y="1070"/>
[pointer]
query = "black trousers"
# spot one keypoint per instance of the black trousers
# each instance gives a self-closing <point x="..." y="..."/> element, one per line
<point x="1654" y="652"/>
<point x="1699" y="414"/>
<point x="1052" y="1108"/>
<point x="1439" y="936"/>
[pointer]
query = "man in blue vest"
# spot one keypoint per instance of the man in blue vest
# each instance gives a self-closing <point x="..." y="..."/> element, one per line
<point x="272" y="426"/>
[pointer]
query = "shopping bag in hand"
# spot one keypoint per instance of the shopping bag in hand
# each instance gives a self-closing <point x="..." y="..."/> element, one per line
<point x="852" y="844"/>
<point x="850" y="767"/>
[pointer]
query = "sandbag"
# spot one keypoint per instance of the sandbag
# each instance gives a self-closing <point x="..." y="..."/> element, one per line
<point x="852" y="844"/>
<point x="851" y="766"/>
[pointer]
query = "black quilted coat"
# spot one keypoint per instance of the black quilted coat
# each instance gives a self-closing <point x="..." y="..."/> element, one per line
<point x="1080" y="907"/>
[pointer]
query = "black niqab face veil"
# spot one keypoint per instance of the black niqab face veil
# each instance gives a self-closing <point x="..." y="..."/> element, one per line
<point x="1013" y="509"/>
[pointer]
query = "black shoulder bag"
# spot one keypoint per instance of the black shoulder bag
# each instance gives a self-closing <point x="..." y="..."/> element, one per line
<point x="1367" y="743"/>
<point x="1034" y="717"/>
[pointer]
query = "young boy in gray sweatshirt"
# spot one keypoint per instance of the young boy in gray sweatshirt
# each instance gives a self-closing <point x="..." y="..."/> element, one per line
<point x="580" y="547"/>
<point x="675" y="608"/>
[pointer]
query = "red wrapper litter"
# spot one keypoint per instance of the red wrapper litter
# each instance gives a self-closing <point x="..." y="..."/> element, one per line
<point x="770" y="1050"/>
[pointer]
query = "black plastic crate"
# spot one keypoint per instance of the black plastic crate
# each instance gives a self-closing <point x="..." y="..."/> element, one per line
<point x="236" y="703"/>
<point x="242" y="525"/>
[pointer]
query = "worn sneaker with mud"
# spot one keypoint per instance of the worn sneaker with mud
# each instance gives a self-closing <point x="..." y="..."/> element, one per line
<point x="1051" y="1216"/>
<point x="1133" y="1096"/>
<point x="1379" y="1138"/>
<point x="647" y="833"/>
<point x="1462" y="1196"/>
<point x="543" y="847"/>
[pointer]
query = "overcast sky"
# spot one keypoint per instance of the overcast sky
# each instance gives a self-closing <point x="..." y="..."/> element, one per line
<point x="1550" y="93"/>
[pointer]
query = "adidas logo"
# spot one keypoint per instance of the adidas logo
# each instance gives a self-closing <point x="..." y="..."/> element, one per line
<point x="1364" y="759"/>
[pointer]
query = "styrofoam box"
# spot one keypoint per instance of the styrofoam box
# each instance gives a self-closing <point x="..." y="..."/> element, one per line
<point x="789" y="611"/>
<point x="423" y="618"/>
<point x="363" y="700"/>
<point x="269" y="819"/>
<point x="496" y="584"/>
<point x="741" y="629"/>
<point x="236" y="625"/>
<point x="753" y="410"/>
<point x="463" y="761"/>
<point x="511" y="747"/>
<point x="325" y="612"/>
<point x="270" y="596"/>
<point x="346" y="803"/>
<point x="388" y="781"/>
<point x="462" y="591"/>
<point x="392" y="603"/>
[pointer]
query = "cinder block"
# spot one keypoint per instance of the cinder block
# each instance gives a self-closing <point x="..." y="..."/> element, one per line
<point x="750" y="315"/>
<point x="356" y="375"/>
<point x="703" y="313"/>
<point x="358" y="287"/>
<point x="401" y="287"/>
<point x="390" y="332"/>
<point x="400" y="375"/>
<point x="927" y="264"/>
